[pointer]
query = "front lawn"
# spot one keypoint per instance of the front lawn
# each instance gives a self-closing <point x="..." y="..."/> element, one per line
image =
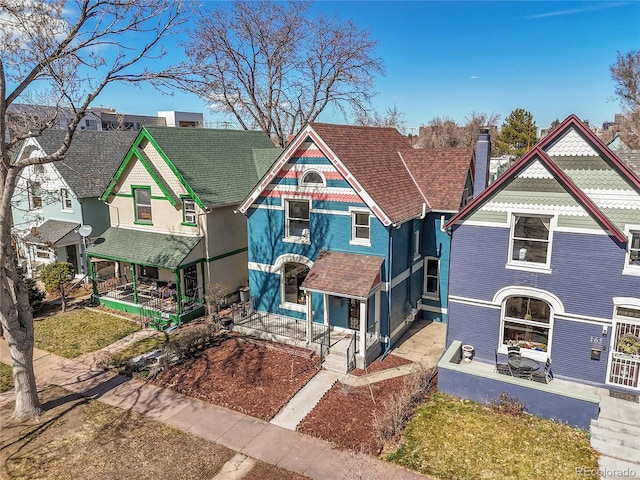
<point x="6" y="378"/>
<point x="80" y="331"/>
<point x="458" y="439"/>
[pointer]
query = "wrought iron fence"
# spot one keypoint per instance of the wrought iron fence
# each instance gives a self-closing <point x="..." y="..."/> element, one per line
<point x="245" y="315"/>
<point x="351" y="353"/>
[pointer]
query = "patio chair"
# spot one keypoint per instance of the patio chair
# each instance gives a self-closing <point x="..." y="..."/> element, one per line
<point x="545" y="375"/>
<point x="501" y="367"/>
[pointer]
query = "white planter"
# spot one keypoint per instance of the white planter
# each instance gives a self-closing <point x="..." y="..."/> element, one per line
<point x="467" y="353"/>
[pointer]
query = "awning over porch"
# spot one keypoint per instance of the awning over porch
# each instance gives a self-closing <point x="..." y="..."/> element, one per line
<point x="143" y="248"/>
<point x="53" y="232"/>
<point x="344" y="274"/>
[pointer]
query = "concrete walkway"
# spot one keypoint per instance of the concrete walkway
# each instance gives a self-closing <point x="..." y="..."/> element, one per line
<point x="246" y="435"/>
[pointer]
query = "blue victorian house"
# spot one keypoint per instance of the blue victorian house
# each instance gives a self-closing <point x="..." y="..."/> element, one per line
<point x="345" y="230"/>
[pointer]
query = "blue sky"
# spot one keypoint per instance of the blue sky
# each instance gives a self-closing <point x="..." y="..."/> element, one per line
<point x="447" y="59"/>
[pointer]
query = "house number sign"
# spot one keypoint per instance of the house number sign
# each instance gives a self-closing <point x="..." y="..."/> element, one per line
<point x="596" y="340"/>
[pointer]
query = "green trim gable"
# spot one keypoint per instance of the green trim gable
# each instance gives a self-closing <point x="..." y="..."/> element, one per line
<point x="137" y="152"/>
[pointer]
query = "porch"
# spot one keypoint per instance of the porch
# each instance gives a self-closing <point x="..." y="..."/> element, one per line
<point x="145" y="299"/>
<point x="565" y="401"/>
<point x="340" y="349"/>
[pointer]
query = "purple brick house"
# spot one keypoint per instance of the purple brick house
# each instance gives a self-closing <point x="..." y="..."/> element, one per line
<point x="547" y="258"/>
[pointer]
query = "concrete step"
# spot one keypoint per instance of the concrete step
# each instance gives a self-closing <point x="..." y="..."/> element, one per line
<point x="609" y="447"/>
<point x="335" y="363"/>
<point x="623" y="439"/>
<point x="612" y="426"/>
<point x="614" y="468"/>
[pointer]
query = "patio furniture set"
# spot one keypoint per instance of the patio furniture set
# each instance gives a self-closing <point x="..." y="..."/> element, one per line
<point x="524" y="367"/>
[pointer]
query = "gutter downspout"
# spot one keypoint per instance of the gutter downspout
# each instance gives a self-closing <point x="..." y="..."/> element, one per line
<point x="390" y="257"/>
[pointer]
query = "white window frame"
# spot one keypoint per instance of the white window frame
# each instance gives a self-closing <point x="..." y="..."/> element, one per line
<point x="30" y="192"/>
<point x="189" y="212"/>
<point x="416" y="245"/>
<point x="525" y="352"/>
<point x="136" y="204"/>
<point x="307" y="171"/>
<point x="64" y="199"/>
<point x="525" y="265"/>
<point x="425" y="293"/>
<point x="354" y="239"/>
<point x="295" y="238"/>
<point x="296" y="307"/>
<point x="630" y="269"/>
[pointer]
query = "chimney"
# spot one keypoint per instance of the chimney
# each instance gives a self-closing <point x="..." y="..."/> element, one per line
<point x="482" y="155"/>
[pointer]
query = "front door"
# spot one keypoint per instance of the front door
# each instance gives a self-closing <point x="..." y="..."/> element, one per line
<point x="72" y="258"/>
<point x="624" y="357"/>
<point x="354" y="314"/>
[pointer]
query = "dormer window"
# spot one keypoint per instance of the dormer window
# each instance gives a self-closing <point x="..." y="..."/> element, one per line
<point x="312" y="178"/>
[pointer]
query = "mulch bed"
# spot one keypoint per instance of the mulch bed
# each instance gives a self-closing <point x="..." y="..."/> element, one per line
<point x="344" y="416"/>
<point x="390" y="361"/>
<point x="252" y="376"/>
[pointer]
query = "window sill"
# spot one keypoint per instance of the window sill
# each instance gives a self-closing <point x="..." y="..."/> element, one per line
<point x="431" y="296"/>
<point x="536" y="355"/>
<point x="142" y="222"/>
<point x="633" y="270"/>
<point x="296" y="307"/>
<point x="361" y="243"/>
<point x="302" y="240"/>
<point x="529" y="267"/>
<point x="186" y="224"/>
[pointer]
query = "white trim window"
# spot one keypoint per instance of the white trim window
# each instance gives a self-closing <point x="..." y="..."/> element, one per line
<point x="189" y="211"/>
<point x="360" y="228"/>
<point x="632" y="258"/>
<point x="431" y="277"/>
<point x="297" y="219"/>
<point x="65" y="199"/>
<point x="292" y="296"/>
<point x="312" y="178"/>
<point x="530" y="242"/>
<point x="34" y="191"/>
<point x="526" y="322"/>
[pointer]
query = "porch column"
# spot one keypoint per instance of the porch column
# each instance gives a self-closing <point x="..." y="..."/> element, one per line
<point x="135" y="285"/>
<point x="376" y="305"/>
<point x="363" y="328"/>
<point x="178" y="293"/>
<point x="309" y="297"/>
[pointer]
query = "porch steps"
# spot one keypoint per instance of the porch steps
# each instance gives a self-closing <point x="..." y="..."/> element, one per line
<point x="336" y="360"/>
<point x="616" y="435"/>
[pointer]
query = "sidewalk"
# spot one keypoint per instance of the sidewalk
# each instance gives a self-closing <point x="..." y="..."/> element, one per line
<point x="246" y="435"/>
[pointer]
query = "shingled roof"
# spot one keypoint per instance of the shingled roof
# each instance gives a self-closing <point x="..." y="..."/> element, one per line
<point x="441" y="174"/>
<point x="372" y="155"/>
<point x="220" y="166"/>
<point x="91" y="160"/>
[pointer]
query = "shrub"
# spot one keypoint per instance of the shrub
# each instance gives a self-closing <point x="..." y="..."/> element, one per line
<point x="56" y="276"/>
<point x="508" y="405"/>
<point x="398" y="410"/>
<point x="36" y="296"/>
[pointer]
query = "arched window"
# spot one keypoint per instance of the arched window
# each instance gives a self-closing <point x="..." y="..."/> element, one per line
<point x="293" y="274"/>
<point x="526" y="322"/>
<point x="312" y="178"/>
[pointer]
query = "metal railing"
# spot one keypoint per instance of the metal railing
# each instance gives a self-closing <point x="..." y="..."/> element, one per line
<point x="351" y="353"/>
<point x="245" y="315"/>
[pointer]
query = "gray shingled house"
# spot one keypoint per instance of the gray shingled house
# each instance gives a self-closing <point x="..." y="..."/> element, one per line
<point x="173" y="229"/>
<point x="53" y="200"/>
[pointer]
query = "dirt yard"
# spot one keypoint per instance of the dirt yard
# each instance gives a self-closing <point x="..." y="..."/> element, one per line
<point x="258" y="378"/>
<point x="255" y="377"/>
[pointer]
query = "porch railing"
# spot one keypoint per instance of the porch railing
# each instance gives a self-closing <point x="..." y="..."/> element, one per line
<point x="351" y="353"/>
<point x="245" y="315"/>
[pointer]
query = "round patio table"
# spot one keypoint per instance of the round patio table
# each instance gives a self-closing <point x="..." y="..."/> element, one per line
<point x="523" y="365"/>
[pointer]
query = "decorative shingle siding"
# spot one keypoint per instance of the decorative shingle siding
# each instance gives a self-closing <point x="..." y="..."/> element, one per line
<point x="137" y="175"/>
<point x="571" y="143"/>
<point x="164" y="170"/>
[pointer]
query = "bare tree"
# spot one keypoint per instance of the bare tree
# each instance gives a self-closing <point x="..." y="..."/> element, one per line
<point x="65" y="51"/>
<point x="392" y="118"/>
<point x="271" y="66"/>
<point x="439" y="133"/>
<point x="625" y="74"/>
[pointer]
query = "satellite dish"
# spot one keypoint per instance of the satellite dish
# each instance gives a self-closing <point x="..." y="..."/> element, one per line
<point x="85" y="230"/>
